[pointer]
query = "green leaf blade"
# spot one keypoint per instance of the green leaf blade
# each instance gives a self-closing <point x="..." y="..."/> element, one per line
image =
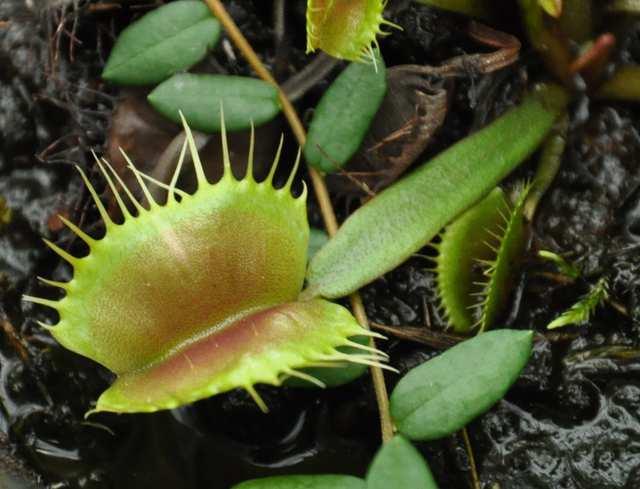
<point x="317" y="239"/>
<point x="442" y="395"/>
<point x="169" y="39"/>
<point x="199" y="97"/>
<point x="399" y="464"/>
<point x="400" y="220"/>
<point x="304" y="482"/>
<point x="344" y="114"/>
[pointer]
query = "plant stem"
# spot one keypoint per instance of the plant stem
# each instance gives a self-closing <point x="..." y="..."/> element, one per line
<point x="475" y="480"/>
<point x="298" y="85"/>
<point x="630" y="6"/>
<point x="623" y="85"/>
<point x="319" y="187"/>
<point x="548" y="166"/>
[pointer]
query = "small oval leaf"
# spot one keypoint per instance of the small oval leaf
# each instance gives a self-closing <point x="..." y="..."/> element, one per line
<point x="406" y="216"/>
<point x="169" y="39"/>
<point x="442" y="395"/>
<point x="199" y="97"/>
<point x="344" y="114"/>
<point x="399" y="464"/>
<point x="304" y="482"/>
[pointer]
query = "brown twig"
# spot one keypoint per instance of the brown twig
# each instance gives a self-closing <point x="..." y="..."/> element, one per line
<point x="103" y="7"/>
<point x="15" y="340"/>
<point x="591" y="64"/>
<point x="320" y="189"/>
<point x="508" y="50"/>
<point x="420" y="334"/>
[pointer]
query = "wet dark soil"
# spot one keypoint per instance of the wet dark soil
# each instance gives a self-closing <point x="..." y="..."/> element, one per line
<point x="571" y="421"/>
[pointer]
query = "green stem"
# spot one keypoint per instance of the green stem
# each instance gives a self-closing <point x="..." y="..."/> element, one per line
<point x="550" y="160"/>
<point x="623" y="85"/>
<point x="625" y="6"/>
<point x="552" y="48"/>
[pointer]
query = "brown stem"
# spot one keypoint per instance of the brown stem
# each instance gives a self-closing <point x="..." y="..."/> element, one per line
<point x="475" y="480"/>
<point x="319" y="187"/>
<point x="421" y="334"/>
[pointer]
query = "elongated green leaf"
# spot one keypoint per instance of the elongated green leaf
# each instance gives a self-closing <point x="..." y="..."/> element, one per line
<point x="199" y="97"/>
<point x="169" y="39"/>
<point x="403" y="218"/>
<point x="304" y="482"/>
<point x="442" y="395"/>
<point x="399" y="464"/>
<point x="343" y="116"/>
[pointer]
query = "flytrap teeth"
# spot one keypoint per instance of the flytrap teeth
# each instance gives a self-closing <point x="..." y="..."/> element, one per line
<point x="490" y="234"/>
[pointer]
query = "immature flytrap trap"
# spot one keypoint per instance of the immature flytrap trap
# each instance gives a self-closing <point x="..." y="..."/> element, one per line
<point x="346" y="30"/>
<point x="476" y="260"/>
<point x="197" y="296"/>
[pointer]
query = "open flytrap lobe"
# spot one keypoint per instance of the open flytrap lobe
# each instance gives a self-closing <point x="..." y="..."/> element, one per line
<point x="346" y="29"/>
<point x="199" y="295"/>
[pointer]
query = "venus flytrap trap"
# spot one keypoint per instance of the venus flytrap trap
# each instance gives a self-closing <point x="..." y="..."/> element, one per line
<point x="346" y="29"/>
<point x="200" y="295"/>
<point x="477" y="258"/>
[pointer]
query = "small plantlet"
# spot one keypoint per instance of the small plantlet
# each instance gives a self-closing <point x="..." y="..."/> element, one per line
<point x="199" y="295"/>
<point x="345" y="29"/>
<point x="566" y="268"/>
<point x="581" y="311"/>
<point x="477" y="258"/>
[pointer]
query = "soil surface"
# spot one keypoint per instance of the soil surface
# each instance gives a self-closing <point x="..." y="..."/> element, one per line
<point x="572" y="421"/>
